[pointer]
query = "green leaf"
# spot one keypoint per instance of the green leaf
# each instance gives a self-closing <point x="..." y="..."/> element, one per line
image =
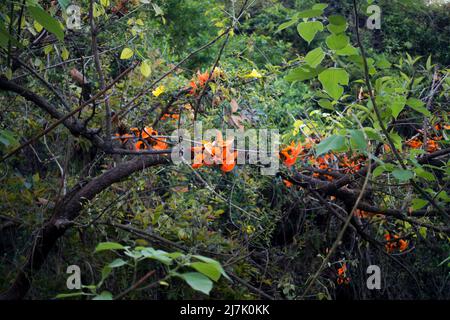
<point x="320" y="6"/>
<point x="47" y="21"/>
<point x="337" y="20"/>
<point x="397" y="139"/>
<point x="105" y="295"/>
<point x="159" y="255"/>
<point x="418" y="204"/>
<point x="212" y="261"/>
<point x="337" y="41"/>
<point x="308" y="30"/>
<point x="357" y="139"/>
<point x="315" y="57"/>
<point x="418" y="105"/>
<point x="349" y="50"/>
<point x="383" y="63"/>
<point x="402" y="175"/>
<point x="197" y="281"/>
<point x="397" y="105"/>
<point x="326" y="104"/>
<point x="378" y="171"/>
<point x="424" y="174"/>
<point x="331" y="79"/>
<point x="286" y="25"/>
<point x="312" y="13"/>
<point x="69" y="295"/>
<point x="208" y="269"/>
<point x="301" y="74"/>
<point x="145" y="69"/>
<point x="117" y="263"/>
<point x="64" y="54"/>
<point x="126" y="53"/>
<point x="336" y="29"/>
<point x="106" y="271"/>
<point x="109" y="246"/>
<point x="334" y="142"/>
<point x="423" y="231"/>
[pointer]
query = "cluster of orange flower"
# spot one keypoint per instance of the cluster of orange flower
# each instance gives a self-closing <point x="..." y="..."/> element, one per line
<point x="199" y="80"/>
<point x="342" y="275"/>
<point x="394" y="243"/>
<point x="218" y="152"/>
<point x="432" y="143"/>
<point x="145" y="139"/>
<point x="344" y="164"/>
<point x="173" y="116"/>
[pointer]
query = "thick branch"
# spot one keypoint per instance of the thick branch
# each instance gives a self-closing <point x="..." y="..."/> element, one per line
<point x="64" y="215"/>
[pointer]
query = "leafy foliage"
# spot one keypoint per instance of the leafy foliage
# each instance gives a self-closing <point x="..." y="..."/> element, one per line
<point x="86" y="122"/>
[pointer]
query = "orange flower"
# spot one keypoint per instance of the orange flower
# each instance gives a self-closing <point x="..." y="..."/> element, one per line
<point x="432" y="145"/>
<point x="160" y="144"/>
<point x="403" y="245"/>
<point x="198" y="161"/>
<point x="199" y="81"/>
<point x="342" y="270"/>
<point x="287" y="183"/>
<point x="227" y="167"/>
<point x="140" y="145"/>
<point x="290" y="154"/>
<point x="414" y="143"/>
<point x="342" y="278"/>
<point x="193" y="86"/>
<point x="217" y="152"/>
<point x="202" y="77"/>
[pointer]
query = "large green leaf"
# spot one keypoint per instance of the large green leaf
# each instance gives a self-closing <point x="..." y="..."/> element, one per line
<point x="337" y="20"/>
<point x="334" y="142"/>
<point x="208" y="269"/>
<point x="308" y="30"/>
<point x="311" y="13"/>
<point x="159" y="255"/>
<point x="102" y="246"/>
<point x="418" y="105"/>
<point x="418" y="204"/>
<point x="47" y="21"/>
<point x="402" y="175"/>
<point x="337" y="41"/>
<point x="332" y="79"/>
<point x="315" y="57"/>
<point x="357" y="139"/>
<point x="216" y="263"/>
<point x="397" y="105"/>
<point x="337" y="24"/>
<point x="349" y="50"/>
<point x="197" y="281"/>
<point x="302" y="74"/>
